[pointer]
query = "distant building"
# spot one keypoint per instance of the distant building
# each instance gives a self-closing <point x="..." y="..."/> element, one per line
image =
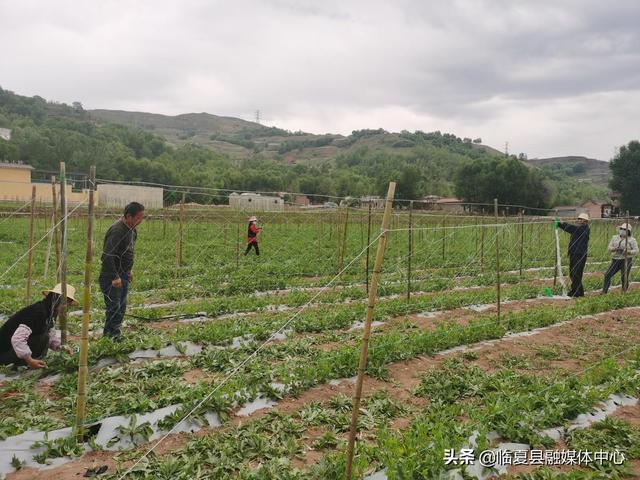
<point x="596" y="209"/>
<point x="570" y="211"/>
<point x="302" y="201"/>
<point x="16" y="185"/>
<point x="376" y="202"/>
<point x="5" y="134"/>
<point x="450" y="204"/>
<point x="116" y="195"/>
<point x="255" y="202"/>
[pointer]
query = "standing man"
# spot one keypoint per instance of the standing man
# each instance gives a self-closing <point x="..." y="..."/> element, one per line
<point x="623" y="248"/>
<point x="117" y="262"/>
<point x="252" y="236"/>
<point x="578" y="248"/>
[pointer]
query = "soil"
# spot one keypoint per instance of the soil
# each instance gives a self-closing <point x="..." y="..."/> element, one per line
<point x="565" y="348"/>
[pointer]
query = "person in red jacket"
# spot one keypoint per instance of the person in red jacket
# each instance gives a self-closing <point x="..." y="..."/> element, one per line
<point x="252" y="235"/>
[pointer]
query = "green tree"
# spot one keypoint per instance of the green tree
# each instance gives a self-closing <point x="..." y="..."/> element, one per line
<point x="507" y="179"/>
<point x="625" y="170"/>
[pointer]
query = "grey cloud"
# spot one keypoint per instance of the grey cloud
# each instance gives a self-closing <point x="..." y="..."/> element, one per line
<point x="301" y="61"/>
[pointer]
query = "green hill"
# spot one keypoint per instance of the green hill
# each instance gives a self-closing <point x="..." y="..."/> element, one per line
<point x="232" y="154"/>
<point x="584" y="169"/>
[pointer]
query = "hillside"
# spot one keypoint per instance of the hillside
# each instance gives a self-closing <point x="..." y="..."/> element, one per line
<point x="584" y="169"/>
<point x="232" y="154"/>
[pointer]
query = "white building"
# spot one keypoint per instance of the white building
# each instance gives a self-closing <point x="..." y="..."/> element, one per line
<point x="5" y="134"/>
<point x="255" y="202"/>
<point x="115" y="195"/>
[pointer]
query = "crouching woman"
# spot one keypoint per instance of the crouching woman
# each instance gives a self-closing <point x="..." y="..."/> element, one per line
<point x="25" y="338"/>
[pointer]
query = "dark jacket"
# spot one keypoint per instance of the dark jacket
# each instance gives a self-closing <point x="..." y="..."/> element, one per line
<point x="39" y="317"/>
<point x="579" y="241"/>
<point x="118" y="251"/>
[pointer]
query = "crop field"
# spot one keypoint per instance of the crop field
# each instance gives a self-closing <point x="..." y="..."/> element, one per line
<point x="236" y="366"/>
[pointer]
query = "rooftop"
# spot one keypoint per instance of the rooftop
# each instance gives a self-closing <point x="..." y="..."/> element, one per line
<point x="16" y="165"/>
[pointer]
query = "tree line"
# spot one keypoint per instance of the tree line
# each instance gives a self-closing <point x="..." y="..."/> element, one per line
<point x="46" y="133"/>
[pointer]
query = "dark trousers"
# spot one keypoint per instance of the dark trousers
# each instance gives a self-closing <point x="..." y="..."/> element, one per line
<point x="615" y="267"/>
<point x="254" y="245"/>
<point x="577" y="262"/>
<point x="115" y="301"/>
<point x="39" y="345"/>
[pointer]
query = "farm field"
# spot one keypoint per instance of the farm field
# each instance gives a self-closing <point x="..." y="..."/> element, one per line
<point x="238" y="366"/>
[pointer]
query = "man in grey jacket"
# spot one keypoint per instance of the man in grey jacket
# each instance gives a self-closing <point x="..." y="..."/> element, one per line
<point x="623" y="248"/>
<point x="117" y="262"/>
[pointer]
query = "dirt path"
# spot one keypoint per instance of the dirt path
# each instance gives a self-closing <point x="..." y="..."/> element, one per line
<point x="567" y="347"/>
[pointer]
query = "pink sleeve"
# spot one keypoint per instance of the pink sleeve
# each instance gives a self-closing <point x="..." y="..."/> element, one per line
<point x="54" y="339"/>
<point x="19" y="341"/>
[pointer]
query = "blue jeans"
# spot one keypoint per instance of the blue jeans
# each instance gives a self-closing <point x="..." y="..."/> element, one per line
<point x="115" y="300"/>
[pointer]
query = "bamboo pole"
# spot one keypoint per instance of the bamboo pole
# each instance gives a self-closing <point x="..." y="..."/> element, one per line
<point x="344" y="241"/>
<point x="555" y="261"/>
<point x="368" y="248"/>
<point x="626" y="277"/>
<point x="482" y="229"/>
<point x="367" y="329"/>
<point x="62" y="312"/>
<point x="49" y="243"/>
<point x="180" y="234"/>
<point x="495" y="207"/>
<point x="164" y="223"/>
<point x="56" y="227"/>
<point x="521" y="240"/>
<point x="83" y="370"/>
<point x="410" y="250"/>
<point x="238" y="247"/>
<point x="444" y="227"/>
<point x="30" y="258"/>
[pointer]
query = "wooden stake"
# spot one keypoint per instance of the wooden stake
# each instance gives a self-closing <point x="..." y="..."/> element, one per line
<point x="625" y="284"/>
<point x="344" y="241"/>
<point x="56" y="227"/>
<point x="368" y="248"/>
<point x="444" y="226"/>
<point x="382" y="241"/>
<point x="164" y="223"/>
<point x="30" y="260"/>
<point x="555" y="263"/>
<point x="521" y="240"/>
<point x="410" y="250"/>
<point x="495" y="208"/>
<point x="238" y="247"/>
<point x="49" y="243"/>
<point x="482" y="229"/>
<point x="179" y="240"/>
<point x="83" y="370"/>
<point x="62" y="312"/>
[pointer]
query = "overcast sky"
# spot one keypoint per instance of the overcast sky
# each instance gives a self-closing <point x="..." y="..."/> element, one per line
<point x="551" y="77"/>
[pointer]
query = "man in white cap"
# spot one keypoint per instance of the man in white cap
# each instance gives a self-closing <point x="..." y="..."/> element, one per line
<point x="623" y="248"/>
<point x="578" y="249"/>
<point x="28" y="334"/>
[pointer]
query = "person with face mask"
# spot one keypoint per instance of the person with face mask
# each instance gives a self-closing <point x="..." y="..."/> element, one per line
<point x="623" y="248"/>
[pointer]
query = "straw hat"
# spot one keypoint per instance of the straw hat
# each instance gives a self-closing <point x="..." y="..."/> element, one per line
<point x="584" y="216"/>
<point x="71" y="292"/>
<point x="253" y="219"/>
<point x="626" y="226"/>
